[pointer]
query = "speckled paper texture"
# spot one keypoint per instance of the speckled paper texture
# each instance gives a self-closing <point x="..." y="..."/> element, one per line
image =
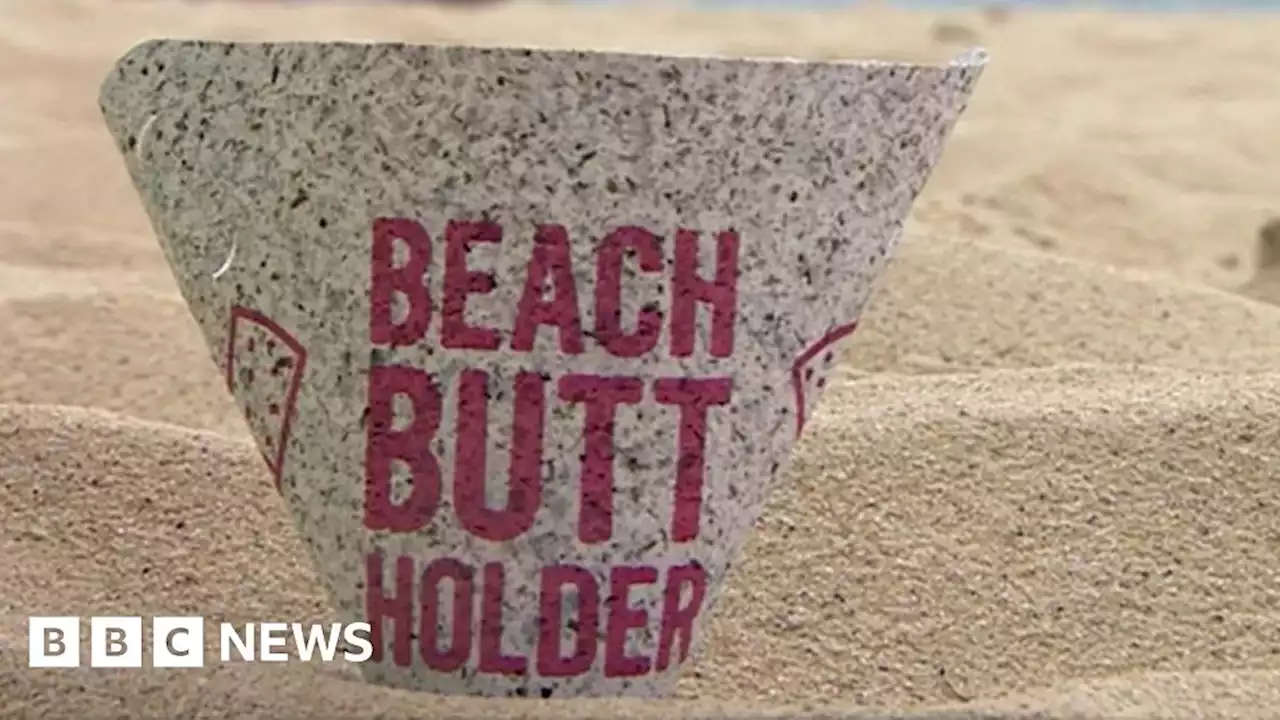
<point x="524" y="337"/>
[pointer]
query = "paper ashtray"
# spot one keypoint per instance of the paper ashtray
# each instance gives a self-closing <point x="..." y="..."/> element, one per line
<point x="525" y="336"/>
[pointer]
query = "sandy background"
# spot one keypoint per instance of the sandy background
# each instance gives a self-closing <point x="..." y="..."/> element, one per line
<point x="1046" y="482"/>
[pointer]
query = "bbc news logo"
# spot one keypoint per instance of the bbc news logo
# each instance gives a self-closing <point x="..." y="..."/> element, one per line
<point x="178" y="642"/>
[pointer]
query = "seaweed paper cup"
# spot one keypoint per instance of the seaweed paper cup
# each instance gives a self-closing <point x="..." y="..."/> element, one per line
<point x="525" y="336"/>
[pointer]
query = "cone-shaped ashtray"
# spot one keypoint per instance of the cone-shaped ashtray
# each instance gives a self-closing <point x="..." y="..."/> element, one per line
<point x="525" y="336"/>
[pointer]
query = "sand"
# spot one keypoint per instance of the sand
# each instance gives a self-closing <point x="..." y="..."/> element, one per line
<point x="1043" y="484"/>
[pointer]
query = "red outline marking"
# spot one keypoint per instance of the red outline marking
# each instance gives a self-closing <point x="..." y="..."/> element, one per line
<point x="833" y="336"/>
<point x="239" y="312"/>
